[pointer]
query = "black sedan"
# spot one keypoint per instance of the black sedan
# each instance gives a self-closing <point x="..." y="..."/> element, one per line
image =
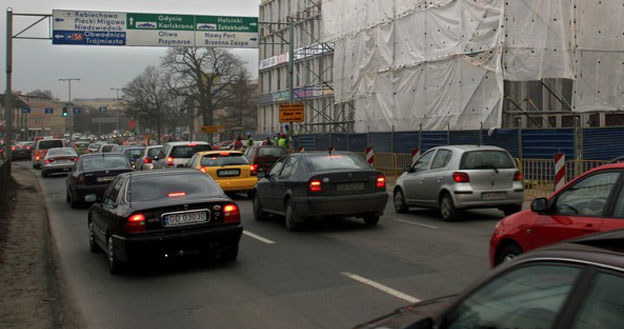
<point x="161" y="215"/>
<point x="22" y="151"/>
<point x="315" y="185"/>
<point x="577" y="284"/>
<point x="92" y="174"/>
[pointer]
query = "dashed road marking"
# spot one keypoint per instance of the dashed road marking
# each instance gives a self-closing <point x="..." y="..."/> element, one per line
<point x="417" y="224"/>
<point x="259" y="238"/>
<point x="382" y="287"/>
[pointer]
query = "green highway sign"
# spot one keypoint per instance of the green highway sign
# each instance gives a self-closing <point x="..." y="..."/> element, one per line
<point x="160" y="22"/>
<point x="226" y="24"/>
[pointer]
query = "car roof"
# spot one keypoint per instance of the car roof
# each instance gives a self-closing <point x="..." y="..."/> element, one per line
<point x="186" y="143"/>
<point x="468" y="148"/>
<point x="219" y="152"/>
<point x="108" y="154"/>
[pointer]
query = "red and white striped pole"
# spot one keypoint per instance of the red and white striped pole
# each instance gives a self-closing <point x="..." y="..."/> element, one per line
<point x="560" y="171"/>
<point x="301" y="149"/>
<point x="332" y="149"/>
<point x="370" y="156"/>
<point x="415" y="154"/>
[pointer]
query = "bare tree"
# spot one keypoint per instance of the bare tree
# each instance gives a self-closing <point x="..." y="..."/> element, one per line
<point x="204" y="75"/>
<point x="148" y="96"/>
<point x="243" y="103"/>
<point x="47" y="94"/>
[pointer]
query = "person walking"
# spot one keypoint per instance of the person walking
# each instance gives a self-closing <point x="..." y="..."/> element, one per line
<point x="238" y="145"/>
<point x="281" y="142"/>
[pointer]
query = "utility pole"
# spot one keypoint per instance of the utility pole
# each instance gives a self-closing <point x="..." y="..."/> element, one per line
<point x="69" y="102"/>
<point x="118" y="110"/>
<point x="8" y="95"/>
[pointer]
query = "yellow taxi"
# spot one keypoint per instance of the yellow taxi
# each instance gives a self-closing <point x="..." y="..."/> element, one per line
<point x="230" y="169"/>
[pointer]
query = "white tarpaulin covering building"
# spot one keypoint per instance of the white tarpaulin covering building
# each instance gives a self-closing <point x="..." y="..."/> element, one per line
<point x="443" y="62"/>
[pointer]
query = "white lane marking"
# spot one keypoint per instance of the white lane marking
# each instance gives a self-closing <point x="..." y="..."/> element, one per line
<point x="259" y="238"/>
<point x="382" y="287"/>
<point x="416" y="223"/>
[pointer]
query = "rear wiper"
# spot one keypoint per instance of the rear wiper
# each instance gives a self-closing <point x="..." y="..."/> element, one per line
<point x="488" y="167"/>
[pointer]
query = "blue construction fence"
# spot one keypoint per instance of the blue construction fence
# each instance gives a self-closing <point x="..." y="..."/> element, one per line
<point x="590" y="143"/>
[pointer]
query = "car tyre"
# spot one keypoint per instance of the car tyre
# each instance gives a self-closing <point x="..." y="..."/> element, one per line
<point x="115" y="266"/>
<point x="508" y="253"/>
<point x="293" y="222"/>
<point x="510" y="210"/>
<point x="93" y="246"/>
<point x="448" y="212"/>
<point x="371" y="220"/>
<point x="73" y="203"/>
<point x="44" y="174"/>
<point x="400" y="206"/>
<point x="259" y="214"/>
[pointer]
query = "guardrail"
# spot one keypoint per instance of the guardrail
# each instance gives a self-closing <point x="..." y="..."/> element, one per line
<point x="4" y="175"/>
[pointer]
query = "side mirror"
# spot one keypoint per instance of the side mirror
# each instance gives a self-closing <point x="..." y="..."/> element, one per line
<point x="539" y="205"/>
<point x="408" y="169"/>
<point x="261" y="174"/>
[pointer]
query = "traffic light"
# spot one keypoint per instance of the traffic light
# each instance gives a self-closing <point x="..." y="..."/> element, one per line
<point x="65" y="111"/>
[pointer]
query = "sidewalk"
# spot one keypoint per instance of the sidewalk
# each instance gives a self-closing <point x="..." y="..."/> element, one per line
<point x="29" y="288"/>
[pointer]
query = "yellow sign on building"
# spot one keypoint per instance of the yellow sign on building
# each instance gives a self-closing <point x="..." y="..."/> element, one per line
<point x="213" y="129"/>
<point x="290" y="113"/>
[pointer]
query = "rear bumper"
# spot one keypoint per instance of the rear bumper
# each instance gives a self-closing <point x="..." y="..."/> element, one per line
<point x="352" y="205"/>
<point x="242" y="184"/>
<point x="474" y="199"/>
<point x="211" y="240"/>
<point x="52" y="168"/>
<point x="81" y="192"/>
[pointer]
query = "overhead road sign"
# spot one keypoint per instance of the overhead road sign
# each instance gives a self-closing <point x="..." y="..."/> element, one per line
<point x="75" y="27"/>
<point x="48" y="110"/>
<point x="213" y="129"/>
<point x="290" y="113"/>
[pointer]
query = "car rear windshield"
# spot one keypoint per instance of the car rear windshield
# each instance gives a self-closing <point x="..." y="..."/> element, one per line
<point x="131" y="153"/>
<point x="486" y="160"/>
<point x="225" y="159"/>
<point x="160" y="187"/>
<point x="103" y="163"/>
<point x="186" y="151"/>
<point x="107" y="148"/>
<point x="61" y="152"/>
<point x="274" y="152"/>
<point x="336" y="162"/>
<point x="154" y="152"/>
<point x="50" y="144"/>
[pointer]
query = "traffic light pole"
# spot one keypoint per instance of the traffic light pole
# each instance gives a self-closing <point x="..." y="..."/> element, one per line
<point x="69" y="103"/>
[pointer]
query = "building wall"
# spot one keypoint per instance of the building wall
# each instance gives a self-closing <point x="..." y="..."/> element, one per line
<point x="37" y="123"/>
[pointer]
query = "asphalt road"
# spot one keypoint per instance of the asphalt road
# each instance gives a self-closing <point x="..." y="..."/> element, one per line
<point x="336" y="274"/>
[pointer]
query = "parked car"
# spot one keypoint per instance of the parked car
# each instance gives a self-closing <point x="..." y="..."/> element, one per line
<point x="163" y="215"/>
<point x="81" y="147"/>
<point x="22" y="151"/>
<point x="264" y="157"/>
<point x="318" y="184"/>
<point x="230" y="169"/>
<point x="41" y="148"/>
<point x="454" y="178"/>
<point x="577" y="284"/>
<point x="593" y="202"/>
<point x="58" y="160"/>
<point x="92" y="174"/>
<point x="149" y="155"/>
<point x="177" y="154"/>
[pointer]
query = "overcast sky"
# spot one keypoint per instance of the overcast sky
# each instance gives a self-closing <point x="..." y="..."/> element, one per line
<point x="37" y="64"/>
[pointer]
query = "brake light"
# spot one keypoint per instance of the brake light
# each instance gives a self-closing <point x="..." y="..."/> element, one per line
<point x="75" y="159"/>
<point x="135" y="224"/>
<point x="461" y="177"/>
<point x="254" y="169"/>
<point x="12" y="148"/>
<point x="28" y="147"/>
<point x="202" y="169"/>
<point x="81" y="180"/>
<point x="48" y="161"/>
<point x="37" y="157"/>
<point x="191" y="144"/>
<point x="169" y="161"/>
<point x="224" y="154"/>
<point x="517" y="176"/>
<point x="147" y="160"/>
<point x="315" y="185"/>
<point x="176" y="194"/>
<point x="381" y="181"/>
<point x="231" y="214"/>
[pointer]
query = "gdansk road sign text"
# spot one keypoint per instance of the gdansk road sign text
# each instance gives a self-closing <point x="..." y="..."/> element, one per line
<point x="95" y="28"/>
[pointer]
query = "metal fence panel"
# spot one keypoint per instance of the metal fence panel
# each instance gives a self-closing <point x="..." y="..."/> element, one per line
<point x="339" y="141"/>
<point x="544" y="143"/>
<point x="467" y="137"/>
<point x="307" y="141"/>
<point x="405" y="142"/>
<point x="432" y="139"/>
<point x="322" y="142"/>
<point x="603" y="143"/>
<point x="357" y="142"/>
<point x="505" y="138"/>
<point x="381" y="142"/>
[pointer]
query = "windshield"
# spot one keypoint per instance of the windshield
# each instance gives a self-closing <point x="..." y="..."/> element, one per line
<point x="133" y="153"/>
<point x="336" y="162"/>
<point x="61" y="152"/>
<point x="486" y="160"/>
<point x="159" y="187"/>
<point x="107" y="148"/>
<point x="103" y="163"/>
<point x="154" y="152"/>
<point x="48" y="144"/>
<point x="271" y="152"/>
<point x="187" y="152"/>
<point x="217" y="160"/>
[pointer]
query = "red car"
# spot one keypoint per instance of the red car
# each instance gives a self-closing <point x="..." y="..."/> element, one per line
<point x="265" y="156"/>
<point x="593" y="202"/>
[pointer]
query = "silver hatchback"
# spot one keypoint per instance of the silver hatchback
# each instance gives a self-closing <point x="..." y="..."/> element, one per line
<point x="459" y="177"/>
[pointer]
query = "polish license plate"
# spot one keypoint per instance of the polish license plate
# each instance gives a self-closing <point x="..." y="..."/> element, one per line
<point x="494" y="196"/>
<point x="105" y="179"/>
<point x="228" y="173"/>
<point x="349" y="187"/>
<point x="170" y="220"/>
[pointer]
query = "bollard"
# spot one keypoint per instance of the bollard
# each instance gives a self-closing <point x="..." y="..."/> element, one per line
<point x="560" y="171"/>
<point x="370" y="156"/>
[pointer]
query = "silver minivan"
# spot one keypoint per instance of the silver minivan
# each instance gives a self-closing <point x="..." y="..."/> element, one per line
<point x="458" y="177"/>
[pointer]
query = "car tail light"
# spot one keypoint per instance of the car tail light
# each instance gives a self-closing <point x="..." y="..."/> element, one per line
<point x="75" y="159"/>
<point x="224" y="154"/>
<point x="28" y="148"/>
<point x="315" y="185"/>
<point x="49" y="160"/>
<point x="461" y="177"/>
<point x="231" y="213"/>
<point x="12" y="148"/>
<point x="37" y="157"/>
<point x="176" y="194"/>
<point x="191" y="144"/>
<point x="203" y="170"/>
<point x="254" y="169"/>
<point x="170" y="161"/>
<point x="381" y="181"/>
<point x="518" y="176"/>
<point x="135" y="224"/>
<point x="147" y="160"/>
<point x="81" y="180"/>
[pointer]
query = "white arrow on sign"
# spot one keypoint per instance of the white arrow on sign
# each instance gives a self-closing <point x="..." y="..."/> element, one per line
<point x="58" y="36"/>
<point x="253" y="24"/>
<point x="131" y="21"/>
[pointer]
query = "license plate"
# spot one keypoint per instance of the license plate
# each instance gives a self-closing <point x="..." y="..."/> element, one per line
<point x="105" y="179"/>
<point x="350" y="187"/>
<point x="228" y="173"/>
<point x="494" y="196"/>
<point x="170" y="220"/>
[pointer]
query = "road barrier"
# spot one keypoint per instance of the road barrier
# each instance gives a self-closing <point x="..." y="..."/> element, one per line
<point x="4" y="175"/>
<point x="560" y="170"/>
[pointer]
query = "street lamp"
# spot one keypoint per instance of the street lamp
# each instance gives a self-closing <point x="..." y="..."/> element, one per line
<point x="118" y="110"/>
<point x="69" y="101"/>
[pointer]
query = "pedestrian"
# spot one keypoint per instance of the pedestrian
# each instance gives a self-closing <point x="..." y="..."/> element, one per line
<point x="267" y="141"/>
<point x="238" y="145"/>
<point x="250" y="142"/>
<point x="281" y="142"/>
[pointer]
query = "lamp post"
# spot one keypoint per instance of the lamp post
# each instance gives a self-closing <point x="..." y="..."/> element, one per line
<point x="69" y="101"/>
<point x="118" y="110"/>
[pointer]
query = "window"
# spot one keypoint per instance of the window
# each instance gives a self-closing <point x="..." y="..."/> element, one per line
<point x="152" y="188"/>
<point x="113" y="193"/>
<point x="588" y="197"/>
<point x="48" y="144"/>
<point x="424" y="161"/>
<point x="153" y="152"/>
<point x="271" y="152"/>
<point x="187" y="151"/>
<point x="441" y="159"/>
<point x="619" y="206"/>
<point x="277" y="168"/>
<point x="336" y="162"/>
<point x="525" y="298"/>
<point x="104" y="163"/>
<point x="603" y="306"/>
<point x="216" y="160"/>
<point x="486" y="160"/>
<point x="290" y="169"/>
